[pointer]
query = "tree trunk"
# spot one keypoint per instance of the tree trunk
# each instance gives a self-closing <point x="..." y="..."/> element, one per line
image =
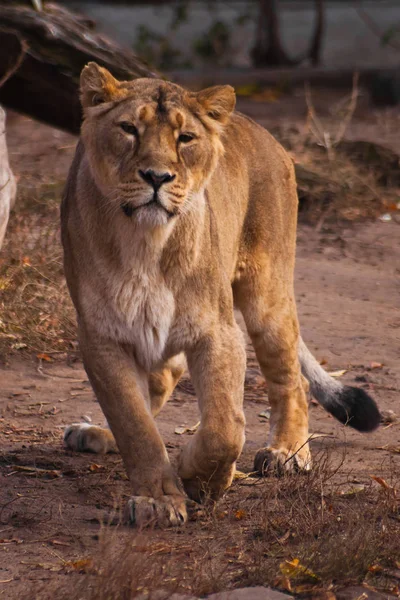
<point x="314" y="53"/>
<point x="42" y="55"/>
<point x="8" y="186"/>
<point x="268" y="49"/>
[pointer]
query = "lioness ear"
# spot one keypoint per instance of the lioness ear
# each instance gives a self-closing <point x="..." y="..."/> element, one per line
<point x="97" y="85"/>
<point x="218" y="101"/>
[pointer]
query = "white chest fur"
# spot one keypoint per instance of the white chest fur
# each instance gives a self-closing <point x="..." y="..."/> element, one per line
<point x="133" y="306"/>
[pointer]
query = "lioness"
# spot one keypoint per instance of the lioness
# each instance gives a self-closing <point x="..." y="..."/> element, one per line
<point x="175" y="210"/>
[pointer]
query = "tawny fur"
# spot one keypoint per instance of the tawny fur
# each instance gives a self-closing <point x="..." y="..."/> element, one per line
<point x="154" y="279"/>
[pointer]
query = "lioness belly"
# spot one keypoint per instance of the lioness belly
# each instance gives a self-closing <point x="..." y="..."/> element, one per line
<point x="138" y="311"/>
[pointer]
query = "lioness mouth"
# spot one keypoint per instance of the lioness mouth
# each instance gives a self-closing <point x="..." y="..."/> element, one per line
<point x="129" y="209"/>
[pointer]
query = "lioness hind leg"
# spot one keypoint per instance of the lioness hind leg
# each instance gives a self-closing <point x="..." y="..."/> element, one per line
<point x="83" y="437"/>
<point x="274" y="333"/>
<point x="163" y="381"/>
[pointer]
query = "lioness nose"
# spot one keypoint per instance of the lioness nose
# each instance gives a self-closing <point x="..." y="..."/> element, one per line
<point x="156" y="179"/>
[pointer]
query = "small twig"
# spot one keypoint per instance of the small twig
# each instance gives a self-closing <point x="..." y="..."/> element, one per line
<point x="314" y="123"/>
<point x="325" y="138"/>
<point x="311" y="437"/>
<point x="10" y="72"/>
<point x="54" y="375"/>
<point x="350" y="111"/>
<point x="326" y="213"/>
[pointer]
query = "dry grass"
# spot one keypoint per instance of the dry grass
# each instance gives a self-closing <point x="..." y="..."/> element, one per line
<point x="355" y="181"/>
<point x="302" y="534"/>
<point x="36" y="313"/>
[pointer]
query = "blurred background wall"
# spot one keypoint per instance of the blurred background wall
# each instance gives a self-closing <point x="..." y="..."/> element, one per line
<point x="179" y="30"/>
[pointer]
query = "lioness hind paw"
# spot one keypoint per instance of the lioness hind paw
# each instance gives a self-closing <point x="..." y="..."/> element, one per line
<point x="166" y="511"/>
<point x="270" y="461"/>
<point x="83" y="437"/>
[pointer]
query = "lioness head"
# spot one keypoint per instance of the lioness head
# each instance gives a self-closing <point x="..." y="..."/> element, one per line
<point x="151" y="144"/>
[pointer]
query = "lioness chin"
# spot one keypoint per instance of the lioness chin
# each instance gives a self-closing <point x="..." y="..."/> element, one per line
<point x="177" y="209"/>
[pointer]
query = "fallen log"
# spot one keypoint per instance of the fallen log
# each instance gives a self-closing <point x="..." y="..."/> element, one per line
<point x="41" y="56"/>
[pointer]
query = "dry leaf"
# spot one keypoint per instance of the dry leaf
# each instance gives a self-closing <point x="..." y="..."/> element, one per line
<point x="388" y="417"/>
<point x="3" y="283"/>
<point x="352" y="491"/>
<point x="232" y="551"/>
<point x="94" y="468"/>
<point x="381" y="482"/>
<point x="376" y="365"/>
<point x="293" y="568"/>
<point x="190" y="430"/>
<point x="283" y="583"/>
<point x="181" y="430"/>
<point x="284" y="537"/>
<point x="337" y="373"/>
<point x="43" y="356"/>
<point x="265" y="414"/>
<point x="19" y="346"/>
<point x="240" y="475"/>
<point x="375" y="569"/>
<point x="240" y="514"/>
<point x="82" y="565"/>
<point x="50" y="566"/>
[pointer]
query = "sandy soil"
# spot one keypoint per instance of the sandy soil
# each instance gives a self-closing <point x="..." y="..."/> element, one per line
<point x="51" y="501"/>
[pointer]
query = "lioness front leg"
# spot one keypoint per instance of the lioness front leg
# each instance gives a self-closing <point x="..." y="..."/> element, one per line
<point x="275" y="334"/>
<point x="122" y="390"/>
<point x="83" y="437"/>
<point x="217" y="366"/>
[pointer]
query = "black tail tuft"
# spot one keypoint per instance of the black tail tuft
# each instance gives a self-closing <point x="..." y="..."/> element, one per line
<point x="354" y="407"/>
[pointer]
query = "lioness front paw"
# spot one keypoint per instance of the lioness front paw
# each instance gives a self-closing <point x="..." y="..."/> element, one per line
<point x="83" y="437"/>
<point x="204" y="488"/>
<point x="166" y="511"/>
<point x="271" y="461"/>
<point x="207" y="465"/>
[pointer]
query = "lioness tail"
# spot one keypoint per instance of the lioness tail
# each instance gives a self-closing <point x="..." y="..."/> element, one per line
<point x="350" y="405"/>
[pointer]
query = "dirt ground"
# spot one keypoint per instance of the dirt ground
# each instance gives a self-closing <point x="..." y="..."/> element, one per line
<point x="52" y="502"/>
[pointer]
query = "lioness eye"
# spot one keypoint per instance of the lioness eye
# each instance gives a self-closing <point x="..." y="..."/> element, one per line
<point x="129" y="128"/>
<point x="185" y="138"/>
